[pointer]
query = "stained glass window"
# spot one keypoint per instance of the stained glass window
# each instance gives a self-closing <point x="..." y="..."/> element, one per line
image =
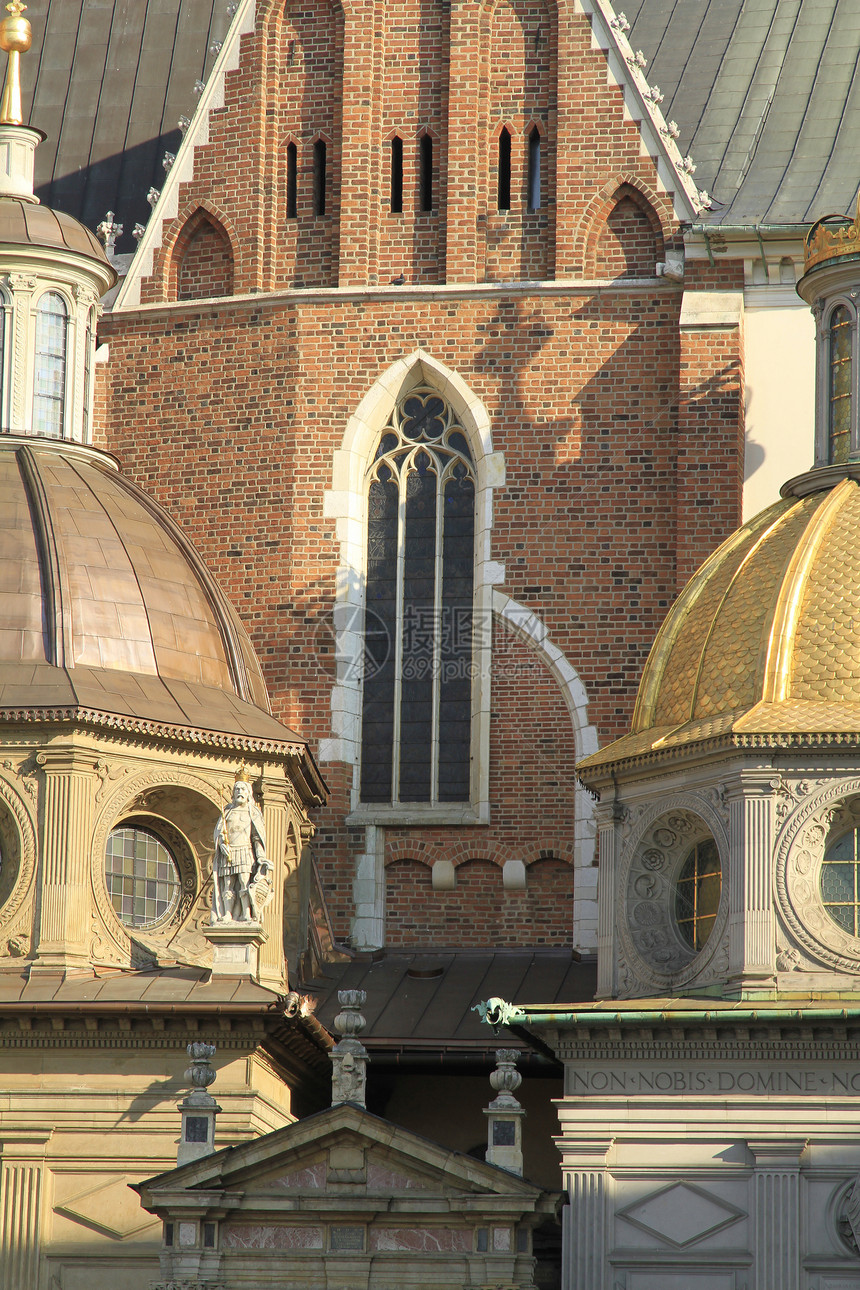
<point x="840" y="890"/>
<point x="416" y="715"/>
<point x="697" y="894"/>
<point x="49" y="388"/>
<point x="142" y="877"/>
<point x="841" y="342"/>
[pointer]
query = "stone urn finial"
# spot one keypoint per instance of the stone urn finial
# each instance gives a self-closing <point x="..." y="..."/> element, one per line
<point x="349" y="1056"/>
<point x="506" y="1079"/>
<point x="198" y="1108"/>
<point x="505" y="1114"/>
<point x="349" y="1020"/>
<point x="200" y="1074"/>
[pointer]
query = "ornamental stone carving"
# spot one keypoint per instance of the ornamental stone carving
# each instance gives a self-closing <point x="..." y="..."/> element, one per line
<point x="17" y="854"/>
<point x="153" y="792"/>
<point x="833" y="808"/>
<point x="652" y="954"/>
<point x="241" y="883"/>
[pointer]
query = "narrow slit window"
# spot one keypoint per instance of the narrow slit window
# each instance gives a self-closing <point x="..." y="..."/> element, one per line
<point x="320" y="161"/>
<point x="292" y="180"/>
<point x="534" y="170"/>
<point x="426" y="162"/>
<point x="841" y="346"/>
<point x="396" y="175"/>
<point x="504" y="170"/>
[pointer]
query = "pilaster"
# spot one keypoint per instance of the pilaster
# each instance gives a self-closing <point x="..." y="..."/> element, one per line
<point x="66" y="836"/>
<point x="584" y="1218"/>
<point x="280" y="847"/>
<point x="359" y="198"/>
<point x="22" y="1167"/>
<point x="608" y="817"/>
<point x="464" y="154"/>
<point x="776" y="1213"/>
<point x="752" y="936"/>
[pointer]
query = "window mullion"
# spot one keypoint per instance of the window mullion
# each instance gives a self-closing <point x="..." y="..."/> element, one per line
<point x="398" y="634"/>
<point x="438" y="628"/>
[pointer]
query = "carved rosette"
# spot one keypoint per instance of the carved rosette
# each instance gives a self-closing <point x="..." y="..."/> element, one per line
<point x="653" y="955"/>
<point x="823" y="815"/>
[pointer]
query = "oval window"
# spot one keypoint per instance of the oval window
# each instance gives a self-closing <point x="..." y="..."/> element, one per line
<point x="697" y="893"/>
<point x="839" y="883"/>
<point x="142" y="877"/>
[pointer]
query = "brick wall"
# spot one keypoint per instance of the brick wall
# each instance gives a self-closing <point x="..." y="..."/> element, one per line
<point x="479" y="911"/>
<point x="231" y="415"/>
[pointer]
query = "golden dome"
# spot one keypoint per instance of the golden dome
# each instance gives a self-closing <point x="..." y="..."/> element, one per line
<point x="108" y="614"/>
<point x="763" y="644"/>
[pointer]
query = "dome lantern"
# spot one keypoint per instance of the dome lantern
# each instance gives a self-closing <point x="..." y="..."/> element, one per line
<point x="53" y="272"/>
<point x="829" y="285"/>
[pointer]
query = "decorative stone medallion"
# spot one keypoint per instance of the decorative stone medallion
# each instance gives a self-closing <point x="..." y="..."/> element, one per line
<point x="651" y="862"/>
<point x="819" y="820"/>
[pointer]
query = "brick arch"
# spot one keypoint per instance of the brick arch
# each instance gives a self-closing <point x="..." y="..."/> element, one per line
<point x="654" y="206"/>
<point x="273" y="14"/>
<point x="202" y="223"/>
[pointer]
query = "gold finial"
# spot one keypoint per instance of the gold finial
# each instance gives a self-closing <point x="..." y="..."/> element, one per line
<point x="831" y="237"/>
<point x="16" y="36"/>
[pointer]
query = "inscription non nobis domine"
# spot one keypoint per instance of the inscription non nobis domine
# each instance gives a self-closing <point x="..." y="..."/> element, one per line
<point x="710" y="1080"/>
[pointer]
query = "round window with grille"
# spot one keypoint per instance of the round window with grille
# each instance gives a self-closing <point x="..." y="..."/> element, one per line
<point x="697" y="894"/>
<point x="840" y="884"/>
<point x="142" y="877"/>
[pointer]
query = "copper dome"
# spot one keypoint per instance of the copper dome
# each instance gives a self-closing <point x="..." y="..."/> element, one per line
<point x="763" y="644"/>
<point x="106" y="606"/>
<point x="26" y="223"/>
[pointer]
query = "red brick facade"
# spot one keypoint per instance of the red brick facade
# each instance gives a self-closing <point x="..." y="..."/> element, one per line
<point x="621" y="436"/>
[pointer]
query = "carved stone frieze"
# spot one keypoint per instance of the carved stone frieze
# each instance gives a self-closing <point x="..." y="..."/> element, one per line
<point x="831" y="808"/>
<point x="655" y="955"/>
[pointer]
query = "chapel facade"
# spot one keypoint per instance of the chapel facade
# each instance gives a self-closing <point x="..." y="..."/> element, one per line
<point x="708" y="1128"/>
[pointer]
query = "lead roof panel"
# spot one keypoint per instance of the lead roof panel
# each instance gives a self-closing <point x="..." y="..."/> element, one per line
<point x="767" y="99"/>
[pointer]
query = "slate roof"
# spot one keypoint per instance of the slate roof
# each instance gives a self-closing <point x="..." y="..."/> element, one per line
<point x="422" y="1000"/>
<point x="766" y="94"/>
<point x="107" y="81"/>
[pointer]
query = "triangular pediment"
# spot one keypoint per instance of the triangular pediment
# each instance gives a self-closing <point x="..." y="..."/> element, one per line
<point x="342" y="1148"/>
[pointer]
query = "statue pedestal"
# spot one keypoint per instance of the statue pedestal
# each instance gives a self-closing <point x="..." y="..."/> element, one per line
<point x="235" y="948"/>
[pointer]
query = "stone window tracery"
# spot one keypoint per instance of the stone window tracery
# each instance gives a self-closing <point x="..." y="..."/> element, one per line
<point x="142" y="877"/>
<point x="418" y="626"/>
<point x="49" y="386"/>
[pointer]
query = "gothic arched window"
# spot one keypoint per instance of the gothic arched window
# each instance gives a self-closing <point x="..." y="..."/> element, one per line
<point x="49" y="388"/>
<point x="417" y="702"/>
